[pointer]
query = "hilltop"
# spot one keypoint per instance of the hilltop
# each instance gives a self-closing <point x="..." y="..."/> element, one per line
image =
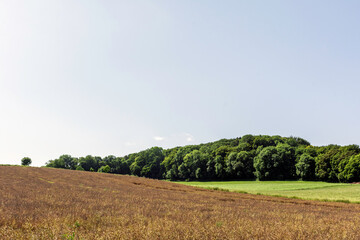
<point x="248" y="157"/>
<point x="45" y="203"/>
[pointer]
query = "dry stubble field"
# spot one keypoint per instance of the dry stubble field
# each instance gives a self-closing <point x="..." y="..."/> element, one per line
<point x="43" y="203"/>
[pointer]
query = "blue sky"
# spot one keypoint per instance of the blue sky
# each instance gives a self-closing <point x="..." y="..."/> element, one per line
<point x="115" y="77"/>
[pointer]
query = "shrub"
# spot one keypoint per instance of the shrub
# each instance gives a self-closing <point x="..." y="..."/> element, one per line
<point x="104" y="169"/>
<point x="80" y="168"/>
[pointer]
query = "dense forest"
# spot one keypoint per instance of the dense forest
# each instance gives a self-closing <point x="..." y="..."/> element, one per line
<point x="250" y="157"/>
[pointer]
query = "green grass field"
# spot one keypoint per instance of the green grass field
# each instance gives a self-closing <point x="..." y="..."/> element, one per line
<point x="297" y="189"/>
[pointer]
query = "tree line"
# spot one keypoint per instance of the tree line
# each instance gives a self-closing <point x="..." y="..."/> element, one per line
<point x="249" y="157"/>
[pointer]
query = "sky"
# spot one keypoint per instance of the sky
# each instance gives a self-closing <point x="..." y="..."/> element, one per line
<point x="112" y="77"/>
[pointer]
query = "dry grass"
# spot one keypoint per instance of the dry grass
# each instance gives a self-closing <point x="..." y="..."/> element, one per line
<point x="41" y="203"/>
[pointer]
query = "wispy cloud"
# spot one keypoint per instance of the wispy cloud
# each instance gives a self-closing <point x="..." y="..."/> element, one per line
<point x="189" y="137"/>
<point x="130" y="144"/>
<point x="157" y="138"/>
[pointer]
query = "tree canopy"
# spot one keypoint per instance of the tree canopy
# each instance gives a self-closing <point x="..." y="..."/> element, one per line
<point x="26" y="161"/>
<point x="249" y="157"/>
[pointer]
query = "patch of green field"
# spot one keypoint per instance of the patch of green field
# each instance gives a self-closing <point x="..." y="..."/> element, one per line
<point x="297" y="189"/>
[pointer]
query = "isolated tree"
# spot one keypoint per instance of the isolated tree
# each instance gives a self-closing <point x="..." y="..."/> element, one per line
<point x="26" y="161"/>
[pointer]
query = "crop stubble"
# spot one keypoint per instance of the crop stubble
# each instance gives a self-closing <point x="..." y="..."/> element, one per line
<point x="43" y="203"/>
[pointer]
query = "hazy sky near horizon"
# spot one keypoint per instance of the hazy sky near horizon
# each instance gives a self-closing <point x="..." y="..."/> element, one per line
<point x="114" y="77"/>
